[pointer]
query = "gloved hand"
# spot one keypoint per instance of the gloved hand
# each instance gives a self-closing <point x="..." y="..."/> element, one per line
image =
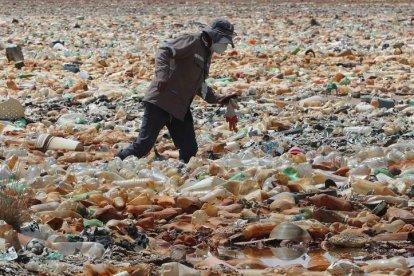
<point x="230" y="115"/>
<point x="224" y="100"/>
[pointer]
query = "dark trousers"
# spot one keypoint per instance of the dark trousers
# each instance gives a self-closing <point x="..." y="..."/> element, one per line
<point x="155" y="118"/>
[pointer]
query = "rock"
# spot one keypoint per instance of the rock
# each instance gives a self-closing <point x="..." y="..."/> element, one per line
<point x="314" y="101"/>
<point x="14" y="52"/>
<point x="80" y="85"/>
<point x="346" y="53"/>
<point x="396" y="213"/>
<point x="74" y="68"/>
<point x="338" y="77"/>
<point x="356" y="94"/>
<point x="318" y="263"/>
<point x="19" y="64"/>
<point x="313" y="22"/>
<point x="36" y="246"/>
<point x="350" y="240"/>
<point x="59" y="46"/>
<point x="331" y="202"/>
<point x="85" y="76"/>
<point x="343" y="267"/>
<point x="178" y="252"/>
<point x="12" y="85"/>
<point x="386" y="103"/>
<point x="398" y="45"/>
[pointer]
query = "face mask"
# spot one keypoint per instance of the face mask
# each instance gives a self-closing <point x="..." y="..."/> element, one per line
<point x="219" y="48"/>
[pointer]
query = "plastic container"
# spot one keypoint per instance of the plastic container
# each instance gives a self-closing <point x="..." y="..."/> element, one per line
<point x="386" y="264"/>
<point x="135" y="182"/>
<point x="48" y="142"/>
<point x="357" y="130"/>
<point x="89" y="249"/>
<point x="282" y="201"/>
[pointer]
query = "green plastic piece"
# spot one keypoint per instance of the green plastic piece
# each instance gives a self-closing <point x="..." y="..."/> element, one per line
<point x="345" y="81"/>
<point x="55" y="256"/>
<point x="203" y="175"/>
<point x="383" y="171"/>
<point x="274" y="70"/>
<point x="92" y="222"/>
<point x="295" y="51"/>
<point x="20" y="123"/>
<point x="90" y="212"/>
<point x="290" y="78"/>
<point x="18" y="187"/>
<point x="81" y="210"/>
<point x="306" y="213"/>
<point x="237" y="176"/>
<point x="67" y="97"/>
<point x="24" y="75"/>
<point x="291" y="173"/>
<point x="331" y="86"/>
<point x="86" y="195"/>
<point x="68" y="83"/>
<point x="80" y="121"/>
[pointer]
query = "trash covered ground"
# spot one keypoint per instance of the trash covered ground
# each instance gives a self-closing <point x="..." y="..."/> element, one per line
<point x="318" y="180"/>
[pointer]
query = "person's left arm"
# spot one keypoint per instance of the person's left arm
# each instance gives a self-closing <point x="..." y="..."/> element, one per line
<point x="207" y="94"/>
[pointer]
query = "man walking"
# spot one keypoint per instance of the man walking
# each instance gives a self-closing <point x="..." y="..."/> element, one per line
<point x="182" y="66"/>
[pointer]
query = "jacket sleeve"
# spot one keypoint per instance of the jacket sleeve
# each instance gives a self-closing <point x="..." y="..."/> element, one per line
<point x="207" y="93"/>
<point x="178" y="48"/>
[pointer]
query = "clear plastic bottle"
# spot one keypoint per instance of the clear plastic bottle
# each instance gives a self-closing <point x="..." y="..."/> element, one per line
<point x="5" y="174"/>
<point x="376" y="162"/>
<point x="357" y="130"/>
<point x="360" y="171"/>
<point x="386" y="264"/>
<point x="204" y="185"/>
<point x="216" y="193"/>
<point x="135" y="182"/>
<point x="33" y="172"/>
<point x="89" y="249"/>
<point x="71" y="118"/>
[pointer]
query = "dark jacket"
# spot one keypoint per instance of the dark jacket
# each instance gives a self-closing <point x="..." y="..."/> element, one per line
<point x="183" y="64"/>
